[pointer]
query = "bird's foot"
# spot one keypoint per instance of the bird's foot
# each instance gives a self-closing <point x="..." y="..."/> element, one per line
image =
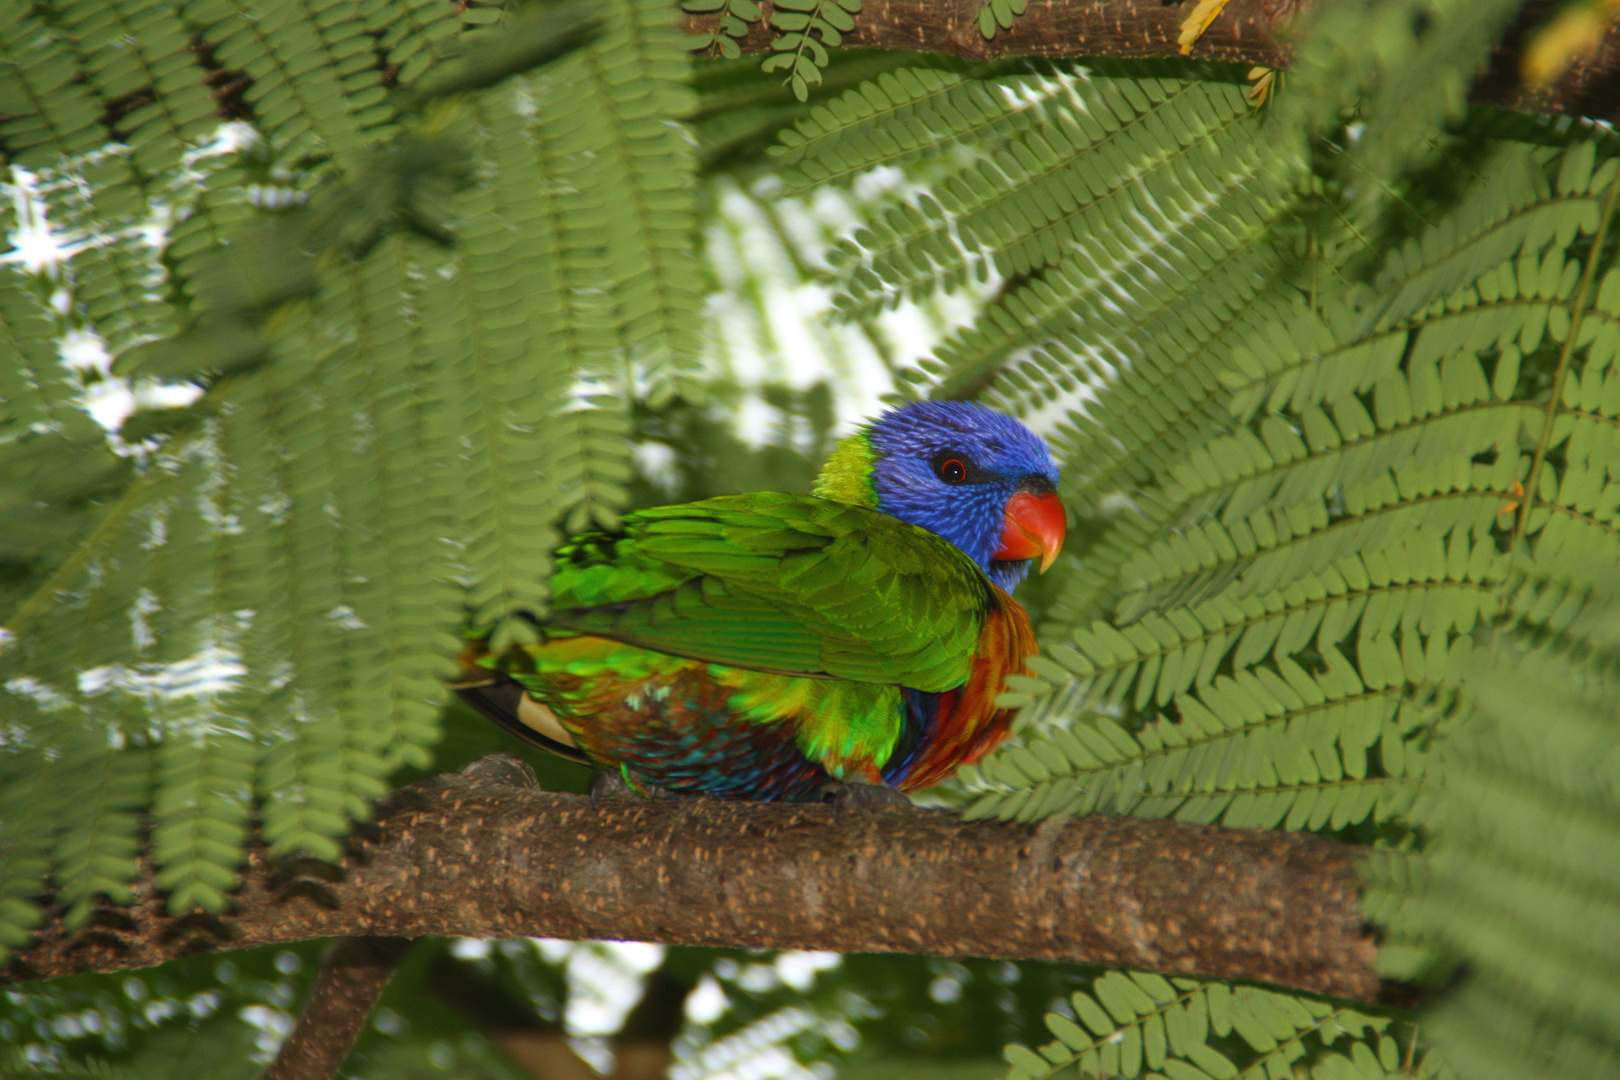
<point x="855" y="795"/>
<point x="622" y="783"/>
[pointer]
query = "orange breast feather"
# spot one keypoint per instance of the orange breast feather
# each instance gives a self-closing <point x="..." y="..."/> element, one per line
<point x="969" y="725"/>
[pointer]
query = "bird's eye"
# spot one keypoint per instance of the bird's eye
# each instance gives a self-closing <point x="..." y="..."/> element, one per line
<point x="952" y="470"/>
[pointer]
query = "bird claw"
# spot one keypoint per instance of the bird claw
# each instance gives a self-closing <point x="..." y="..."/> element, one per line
<point x="624" y="783"/>
<point x="858" y="796"/>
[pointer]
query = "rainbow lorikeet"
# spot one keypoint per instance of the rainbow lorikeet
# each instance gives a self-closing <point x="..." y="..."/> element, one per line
<point x="775" y="646"/>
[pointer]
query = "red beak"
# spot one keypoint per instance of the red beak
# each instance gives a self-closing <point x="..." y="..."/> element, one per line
<point x="1034" y="525"/>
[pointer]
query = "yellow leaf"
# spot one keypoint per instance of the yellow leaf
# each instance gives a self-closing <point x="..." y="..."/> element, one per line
<point x="1516" y="490"/>
<point x="1574" y="35"/>
<point x="1194" y="25"/>
<point x="1265" y="84"/>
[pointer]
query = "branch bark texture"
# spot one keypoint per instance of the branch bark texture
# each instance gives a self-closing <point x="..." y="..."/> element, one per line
<point x="485" y="853"/>
<point x="354" y="972"/>
<point x="1247" y="31"/>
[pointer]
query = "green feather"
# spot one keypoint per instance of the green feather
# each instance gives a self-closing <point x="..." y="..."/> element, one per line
<point x="847" y="476"/>
<point x="778" y="583"/>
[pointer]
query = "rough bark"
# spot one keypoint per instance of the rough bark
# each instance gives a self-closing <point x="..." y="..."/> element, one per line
<point x="354" y="972"/>
<point x="1247" y="31"/>
<point x="485" y="853"/>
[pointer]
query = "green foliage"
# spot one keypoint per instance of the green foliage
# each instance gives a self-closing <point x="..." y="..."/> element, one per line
<point x="1297" y="435"/>
<point x="31" y="389"/>
<point x="894" y="120"/>
<point x="1332" y="553"/>
<point x="811" y="27"/>
<point x="1271" y="744"/>
<point x="736" y="18"/>
<point x="204" y="1017"/>
<point x="256" y="617"/>
<point x="1334" y="389"/>
<point x="804" y="33"/>
<point x="58" y="471"/>
<point x="1192" y="1030"/>
<point x="997" y="15"/>
<point x="1519" y="881"/>
<point x="1403" y="67"/>
<point x="1100" y="150"/>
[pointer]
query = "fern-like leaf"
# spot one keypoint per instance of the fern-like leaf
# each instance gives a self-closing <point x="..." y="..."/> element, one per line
<point x="261" y="619"/>
<point x="1407" y="64"/>
<point x="1135" y="1021"/>
<point x="997" y="15"/>
<point x="1519" y="881"/>
<point x="809" y="28"/>
<point x="1135" y="146"/>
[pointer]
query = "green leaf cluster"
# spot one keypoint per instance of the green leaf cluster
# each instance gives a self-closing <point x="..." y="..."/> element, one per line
<point x="1132" y="1023"/>
<point x="1334" y="390"/>
<point x="423" y="273"/>
<point x="736" y="18"/>
<point x="810" y="28"/>
<point x="1332" y="417"/>
<point x="1519" y="881"/>
<point x="1400" y="69"/>
<point x="997" y="15"/>
<point x="1054" y="189"/>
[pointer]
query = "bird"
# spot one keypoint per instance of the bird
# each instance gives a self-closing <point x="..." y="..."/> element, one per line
<point x="846" y="645"/>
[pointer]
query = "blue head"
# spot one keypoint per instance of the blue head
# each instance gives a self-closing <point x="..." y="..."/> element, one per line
<point x="980" y="479"/>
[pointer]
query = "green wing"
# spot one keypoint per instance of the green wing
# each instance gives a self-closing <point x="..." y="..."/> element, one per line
<point x="792" y="584"/>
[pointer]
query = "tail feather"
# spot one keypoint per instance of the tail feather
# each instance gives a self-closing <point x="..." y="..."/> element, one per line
<point x="504" y="701"/>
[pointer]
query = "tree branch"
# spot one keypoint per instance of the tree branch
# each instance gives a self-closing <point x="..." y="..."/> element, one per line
<point x="353" y="973"/>
<point x="1247" y="31"/>
<point x="485" y="853"/>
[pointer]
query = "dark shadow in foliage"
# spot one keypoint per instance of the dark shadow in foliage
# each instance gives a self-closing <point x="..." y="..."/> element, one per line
<point x="741" y="108"/>
<point x="531" y="40"/>
<point x="515" y="1000"/>
<point x="55" y="485"/>
<point x="1435" y="184"/>
<point x="469" y="737"/>
<point x="950" y="1012"/>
